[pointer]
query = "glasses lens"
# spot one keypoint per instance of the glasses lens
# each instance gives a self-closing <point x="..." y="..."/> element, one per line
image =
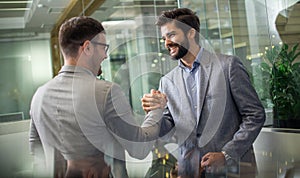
<point x="102" y="44"/>
<point x="106" y="48"/>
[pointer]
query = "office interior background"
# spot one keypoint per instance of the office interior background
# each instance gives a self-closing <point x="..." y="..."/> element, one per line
<point x="137" y="59"/>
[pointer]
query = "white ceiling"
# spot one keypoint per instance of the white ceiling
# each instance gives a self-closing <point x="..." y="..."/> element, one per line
<point x="31" y="17"/>
<point x="30" y="14"/>
<point x="20" y="18"/>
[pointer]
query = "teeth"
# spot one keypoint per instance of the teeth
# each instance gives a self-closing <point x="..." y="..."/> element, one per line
<point x="172" y="50"/>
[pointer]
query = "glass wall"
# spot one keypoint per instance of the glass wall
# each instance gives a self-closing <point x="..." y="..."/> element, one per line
<point x="249" y="29"/>
<point x="25" y="65"/>
<point x="244" y="28"/>
<point x="137" y="58"/>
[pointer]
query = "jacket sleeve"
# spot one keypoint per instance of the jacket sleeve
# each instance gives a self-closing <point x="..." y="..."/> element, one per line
<point x="249" y="108"/>
<point x="35" y="144"/>
<point x="121" y="123"/>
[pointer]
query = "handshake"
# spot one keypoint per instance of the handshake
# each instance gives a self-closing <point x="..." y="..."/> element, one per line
<point x="154" y="100"/>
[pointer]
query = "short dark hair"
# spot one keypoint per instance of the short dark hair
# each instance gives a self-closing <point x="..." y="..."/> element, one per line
<point x="179" y="16"/>
<point x="75" y="31"/>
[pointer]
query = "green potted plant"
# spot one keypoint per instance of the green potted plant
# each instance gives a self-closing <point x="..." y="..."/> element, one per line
<point x="284" y="84"/>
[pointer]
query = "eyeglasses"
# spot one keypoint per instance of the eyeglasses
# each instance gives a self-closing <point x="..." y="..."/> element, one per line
<point x="102" y="44"/>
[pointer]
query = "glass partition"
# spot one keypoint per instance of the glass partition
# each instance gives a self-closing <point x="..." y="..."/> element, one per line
<point x="137" y="57"/>
<point x="25" y="65"/>
<point x="136" y="60"/>
<point x="249" y="29"/>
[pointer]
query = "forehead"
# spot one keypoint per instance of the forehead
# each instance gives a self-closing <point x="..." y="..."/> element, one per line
<point x="101" y="37"/>
<point x="168" y="28"/>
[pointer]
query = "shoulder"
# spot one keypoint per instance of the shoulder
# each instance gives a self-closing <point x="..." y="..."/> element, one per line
<point x="107" y="88"/>
<point x="103" y="83"/>
<point x="40" y="93"/>
<point x="229" y="59"/>
<point x="104" y="86"/>
<point x="225" y="60"/>
<point x="172" y="74"/>
<point x="44" y="87"/>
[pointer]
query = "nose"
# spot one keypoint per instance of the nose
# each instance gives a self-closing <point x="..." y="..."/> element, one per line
<point x="167" y="42"/>
<point x="105" y="55"/>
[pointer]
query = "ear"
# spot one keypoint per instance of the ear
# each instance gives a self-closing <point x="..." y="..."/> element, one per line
<point x="87" y="47"/>
<point x="192" y="33"/>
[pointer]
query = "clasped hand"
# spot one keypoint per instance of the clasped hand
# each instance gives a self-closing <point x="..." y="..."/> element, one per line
<point x="153" y="100"/>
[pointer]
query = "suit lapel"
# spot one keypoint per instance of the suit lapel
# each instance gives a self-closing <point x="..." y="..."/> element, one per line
<point x="185" y="111"/>
<point x="205" y="71"/>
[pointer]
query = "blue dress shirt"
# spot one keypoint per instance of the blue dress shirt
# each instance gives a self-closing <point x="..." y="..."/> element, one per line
<point x="191" y="78"/>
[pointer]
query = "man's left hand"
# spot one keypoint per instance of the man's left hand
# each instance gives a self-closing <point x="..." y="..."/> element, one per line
<point x="213" y="162"/>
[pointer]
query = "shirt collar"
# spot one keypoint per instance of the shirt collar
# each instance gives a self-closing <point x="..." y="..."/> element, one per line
<point x="75" y="69"/>
<point x="195" y="64"/>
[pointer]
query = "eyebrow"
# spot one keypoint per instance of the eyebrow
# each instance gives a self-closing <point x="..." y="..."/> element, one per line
<point x="168" y="34"/>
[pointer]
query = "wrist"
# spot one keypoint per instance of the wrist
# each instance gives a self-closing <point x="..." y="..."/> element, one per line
<point x="227" y="157"/>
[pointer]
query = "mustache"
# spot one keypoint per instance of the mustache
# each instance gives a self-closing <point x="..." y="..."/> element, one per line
<point x="173" y="45"/>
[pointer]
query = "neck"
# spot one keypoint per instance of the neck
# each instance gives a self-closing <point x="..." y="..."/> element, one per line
<point x="79" y="64"/>
<point x="190" y="57"/>
<point x="70" y="62"/>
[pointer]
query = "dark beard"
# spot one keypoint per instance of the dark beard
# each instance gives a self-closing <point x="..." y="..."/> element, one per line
<point x="99" y="71"/>
<point x="181" y="52"/>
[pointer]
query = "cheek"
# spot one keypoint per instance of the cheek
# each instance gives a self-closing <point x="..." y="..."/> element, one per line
<point x="98" y="53"/>
<point x="177" y="40"/>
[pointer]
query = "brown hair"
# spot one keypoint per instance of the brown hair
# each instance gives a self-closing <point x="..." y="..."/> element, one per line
<point x="75" y="31"/>
<point x="184" y="19"/>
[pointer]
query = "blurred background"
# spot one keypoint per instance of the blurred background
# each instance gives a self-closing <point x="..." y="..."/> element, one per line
<point x="137" y="59"/>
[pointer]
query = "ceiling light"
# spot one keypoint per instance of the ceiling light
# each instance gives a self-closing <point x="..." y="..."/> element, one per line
<point x="15" y="9"/>
<point x="40" y="5"/>
<point x="15" y="2"/>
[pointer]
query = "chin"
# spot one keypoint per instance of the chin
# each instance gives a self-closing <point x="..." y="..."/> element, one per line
<point x="174" y="58"/>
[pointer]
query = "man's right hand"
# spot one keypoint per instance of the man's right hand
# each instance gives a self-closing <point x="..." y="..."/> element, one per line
<point x="153" y="100"/>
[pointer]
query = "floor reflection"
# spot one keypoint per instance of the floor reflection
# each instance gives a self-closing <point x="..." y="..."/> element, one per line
<point x="277" y="153"/>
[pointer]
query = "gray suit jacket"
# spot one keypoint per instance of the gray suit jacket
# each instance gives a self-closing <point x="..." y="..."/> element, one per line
<point x="230" y="112"/>
<point x="81" y="116"/>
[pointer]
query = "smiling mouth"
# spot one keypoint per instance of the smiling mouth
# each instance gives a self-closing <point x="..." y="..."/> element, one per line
<point x="172" y="48"/>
